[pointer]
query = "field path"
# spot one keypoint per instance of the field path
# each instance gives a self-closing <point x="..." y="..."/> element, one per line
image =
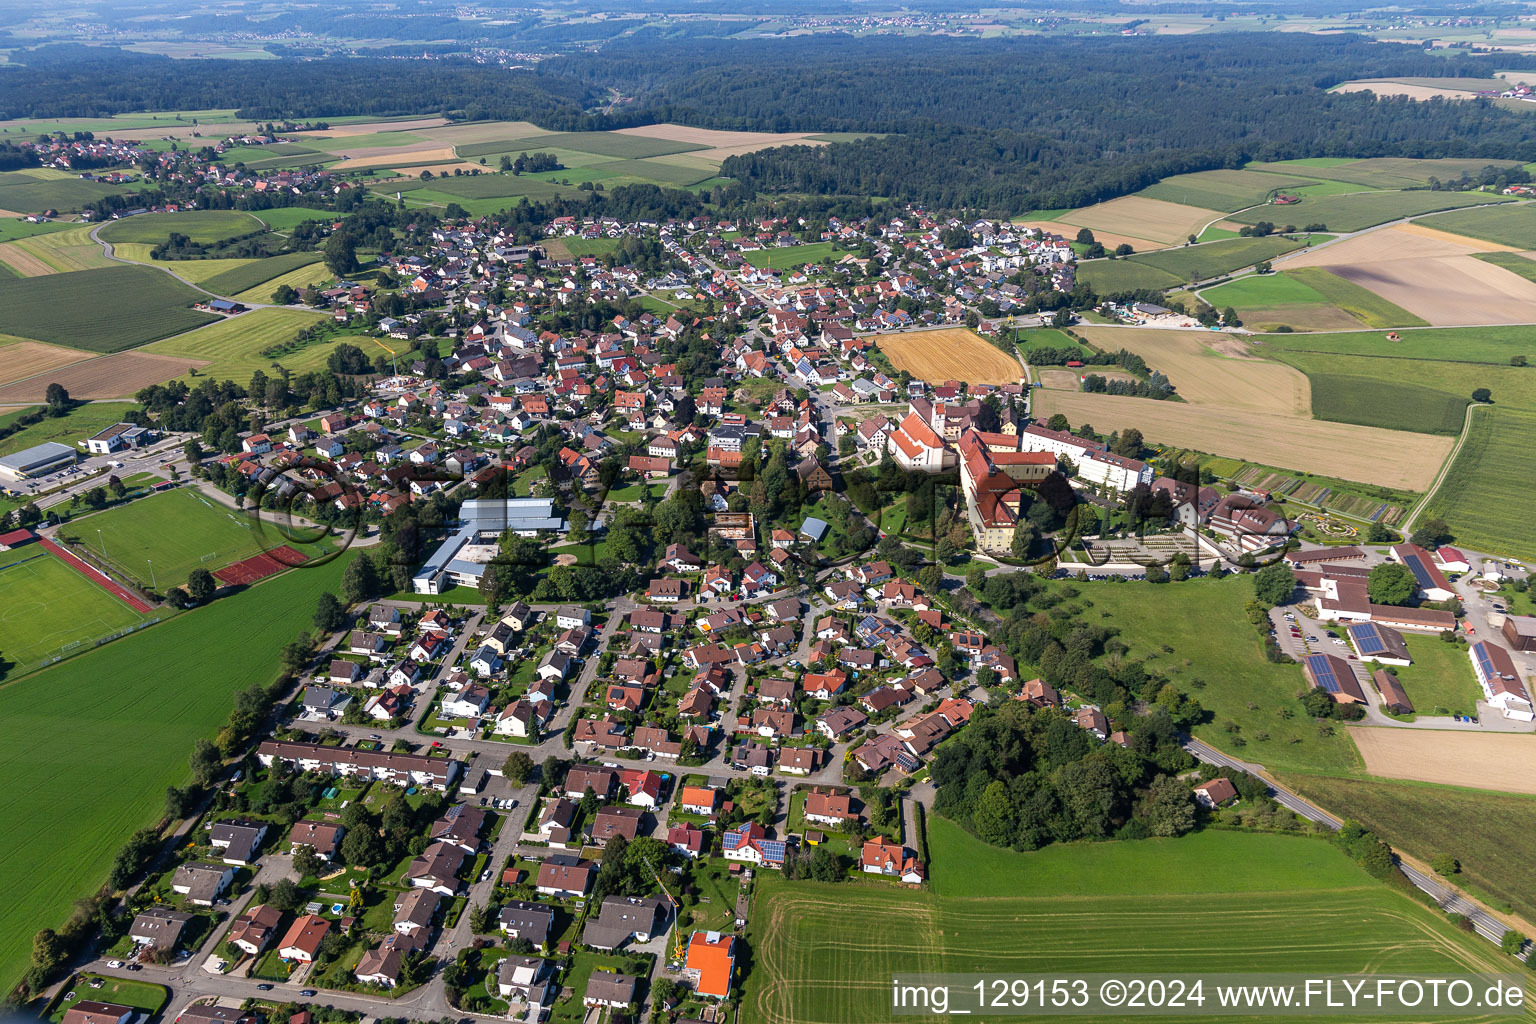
<point x="106" y="250"/>
<point x="1445" y="467"/>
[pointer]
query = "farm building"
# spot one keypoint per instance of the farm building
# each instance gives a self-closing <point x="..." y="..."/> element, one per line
<point x="1375" y="642"/>
<point x="1520" y="632"/>
<point x="1335" y="676"/>
<point x="1393" y="697"/>
<point x="1497" y="675"/>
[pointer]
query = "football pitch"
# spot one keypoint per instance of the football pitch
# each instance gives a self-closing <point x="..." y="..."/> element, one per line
<point x="45" y="606"/>
<point x="1209" y="902"/>
<point x="158" y="540"/>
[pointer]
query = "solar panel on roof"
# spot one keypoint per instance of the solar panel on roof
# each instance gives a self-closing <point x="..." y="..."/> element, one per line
<point x="1368" y="639"/>
<point x="1416" y="565"/>
<point x="1322" y="671"/>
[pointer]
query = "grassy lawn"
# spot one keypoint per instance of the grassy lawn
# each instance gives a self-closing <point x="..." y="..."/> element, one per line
<point x="1217" y="659"/>
<point x="1393" y="406"/>
<point x="1483" y="496"/>
<point x="718" y="889"/>
<point x="582" y="965"/>
<point x="288" y="217"/>
<point x="1440" y="680"/>
<point x="78" y="424"/>
<point x="790" y="256"/>
<point x="1513" y="387"/>
<point x="1260" y="291"/>
<point x="46" y="605"/>
<point x="1424" y="820"/>
<point x="178" y="530"/>
<point x="62" y="732"/>
<point x="1514" y="225"/>
<point x="256" y="272"/>
<point x="1285" y="903"/>
<point x="141" y="995"/>
<point x="1197" y="262"/>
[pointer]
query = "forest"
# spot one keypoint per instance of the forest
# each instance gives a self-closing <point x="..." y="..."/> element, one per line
<point x="1006" y="125"/>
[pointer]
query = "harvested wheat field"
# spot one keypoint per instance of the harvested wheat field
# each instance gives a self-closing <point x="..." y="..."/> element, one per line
<point x="1108" y="239"/>
<point x="1481" y="760"/>
<point x="438" y="160"/>
<point x="370" y="128"/>
<point x="481" y="132"/>
<point x="114" y="376"/>
<point x="1140" y="217"/>
<point x="1401" y="242"/>
<point x="1061" y="380"/>
<point x="25" y="359"/>
<point x="743" y="142"/>
<point x="1412" y="92"/>
<point x="951" y="353"/>
<point x="1391" y="458"/>
<point x="24" y="263"/>
<point x="1204" y="376"/>
<point x="1449" y="291"/>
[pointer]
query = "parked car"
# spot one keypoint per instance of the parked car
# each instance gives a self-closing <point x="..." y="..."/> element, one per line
<point x="307" y="992"/>
<point x="114" y="964"/>
<point x="264" y="987"/>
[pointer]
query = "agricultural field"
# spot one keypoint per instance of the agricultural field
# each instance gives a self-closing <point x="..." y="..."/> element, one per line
<point x="1514" y="262"/>
<point x="1367" y="504"/>
<point x="232" y="349"/>
<point x="791" y="256"/>
<point x="1393" y="406"/>
<point x="1218" y="660"/>
<point x="1267" y="301"/>
<point x="1212" y="259"/>
<point x="1140" y="217"/>
<point x="1513" y="226"/>
<point x="1485" y="496"/>
<point x="45" y="606"/>
<point x="202" y="226"/>
<point x="178" y="530"/>
<point x="1384" y="172"/>
<point x="79" y="423"/>
<point x="1387" y="458"/>
<point x="1224" y="378"/>
<point x="100" y="310"/>
<point x="1223" y="190"/>
<point x="1112" y="277"/>
<point x="22" y="359"/>
<point x="1423" y="821"/>
<point x="37" y="189"/>
<point x="12" y="228"/>
<point x="1363" y="209"/>
<point x="1500" y="761"/>
<point x="113" y="376"/>
<point x="309" y="274"/>
<point x="1513" y="387"/>
<point x="1493" y="345"/>
<point x="55" y="253"/>
<point x="610" y="144"/>
<point x="130" y="711"/>
<point x="254" y="273"/>
<point x="950" y="354"/>
<point x="1365" y="292"/>
<point x="1228" y="901"/>
<point x="1046" y="337"/>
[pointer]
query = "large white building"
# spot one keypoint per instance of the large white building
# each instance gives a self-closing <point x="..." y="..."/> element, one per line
<point x="460" y="560"/>
<point x="1500" y="680"/>
<point x="916" y="446"/>
<point x="1094" y="461"/>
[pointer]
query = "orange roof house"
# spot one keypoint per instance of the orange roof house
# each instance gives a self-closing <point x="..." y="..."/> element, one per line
<point x="711" y="960"/>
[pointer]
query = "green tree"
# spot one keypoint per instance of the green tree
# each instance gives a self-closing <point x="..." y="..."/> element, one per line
<point x="1274" y="584"/>
<point x="994" y="816"/>
<point x="1445" y="864"/>
<point x="341" y="253"/>
<point x="1430" y="533"/>
<point x="307" y="862"/>
<point x="1391" y="583"/>
<point x="57" y="398"/>
<point x="1169" y="807"/>
<point x="1482" y="395"/>
<point x="518" y="768"/>
<point x="286" y="895"/>
<point x="200" y="586"/>
<point x="1512" y="942"/>
<point x="360" y="582"/>
<point x="206" y="762"/>
<point x="329" y="614"/>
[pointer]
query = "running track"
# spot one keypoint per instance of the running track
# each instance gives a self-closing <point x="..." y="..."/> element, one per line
<point x="107" y="584"/>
